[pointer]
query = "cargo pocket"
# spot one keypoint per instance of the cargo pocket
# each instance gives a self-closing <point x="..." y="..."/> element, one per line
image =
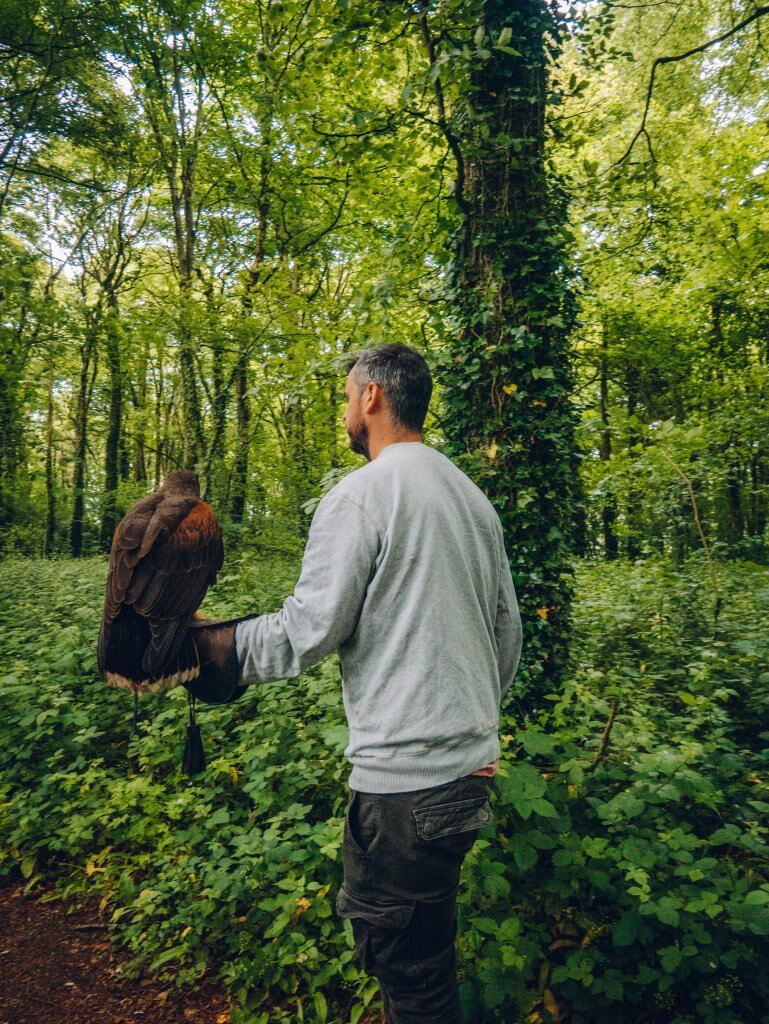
<point x="384" y="939"/>
<point x="438" y="821"/>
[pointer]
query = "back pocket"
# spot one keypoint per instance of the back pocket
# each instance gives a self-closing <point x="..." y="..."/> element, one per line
<point x="438" y="820"/>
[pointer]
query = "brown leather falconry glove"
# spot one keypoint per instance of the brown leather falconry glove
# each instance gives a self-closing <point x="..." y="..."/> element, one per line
<point x="219" y="678"/>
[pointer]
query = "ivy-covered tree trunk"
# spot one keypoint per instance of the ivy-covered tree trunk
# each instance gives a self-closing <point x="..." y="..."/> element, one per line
<point x="507" y="375"/>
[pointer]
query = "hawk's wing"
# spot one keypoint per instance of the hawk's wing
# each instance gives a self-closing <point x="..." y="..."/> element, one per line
<point x="165" y="554"/>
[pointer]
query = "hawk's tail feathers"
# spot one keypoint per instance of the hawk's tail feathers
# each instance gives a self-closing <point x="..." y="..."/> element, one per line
<point x="121" y="649"/>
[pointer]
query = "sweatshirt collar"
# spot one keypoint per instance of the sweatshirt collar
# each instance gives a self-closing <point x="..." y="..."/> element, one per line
<point x="398" y="444"/>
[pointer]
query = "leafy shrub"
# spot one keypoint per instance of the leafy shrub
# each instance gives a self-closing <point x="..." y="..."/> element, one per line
<point x="632" y="884"/>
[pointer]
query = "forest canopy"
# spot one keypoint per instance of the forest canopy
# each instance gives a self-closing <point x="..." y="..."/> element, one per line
<point x="204" y="206"/>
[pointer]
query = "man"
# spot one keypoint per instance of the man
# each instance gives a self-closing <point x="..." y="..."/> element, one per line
<point x="405" y="575"/>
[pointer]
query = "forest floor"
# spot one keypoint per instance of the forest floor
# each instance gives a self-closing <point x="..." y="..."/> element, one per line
<point x="57" y="966"/>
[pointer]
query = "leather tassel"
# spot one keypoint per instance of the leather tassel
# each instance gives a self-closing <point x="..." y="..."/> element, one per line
<point x="194" y="760"/>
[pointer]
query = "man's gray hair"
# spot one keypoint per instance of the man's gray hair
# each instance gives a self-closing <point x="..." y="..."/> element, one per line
<point x="403" y="375"/>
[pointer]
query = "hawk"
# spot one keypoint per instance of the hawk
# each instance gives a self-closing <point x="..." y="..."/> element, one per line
<point x="166" y="552"/>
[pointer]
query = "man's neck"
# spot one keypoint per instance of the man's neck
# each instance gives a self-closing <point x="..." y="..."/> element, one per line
<point x="376" y="447"/>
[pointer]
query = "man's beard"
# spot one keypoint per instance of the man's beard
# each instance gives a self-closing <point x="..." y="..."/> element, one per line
<point x="359" y="440"/>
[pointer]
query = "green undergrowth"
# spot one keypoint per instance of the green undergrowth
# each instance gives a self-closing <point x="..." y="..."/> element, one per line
<point x="625" y="875"/>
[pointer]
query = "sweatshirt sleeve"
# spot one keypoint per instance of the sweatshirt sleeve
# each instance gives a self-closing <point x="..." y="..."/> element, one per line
<point x="338" y="562"/>
<point x="508" y="628"/>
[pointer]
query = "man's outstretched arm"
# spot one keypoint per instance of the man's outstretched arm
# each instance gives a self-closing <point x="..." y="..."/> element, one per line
<point x="338" y="562"/>
<point x="337" y="565"/>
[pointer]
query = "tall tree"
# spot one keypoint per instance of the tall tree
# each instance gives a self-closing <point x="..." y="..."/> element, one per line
<point x="506" y="368"/>
<point x="165" y="52"/>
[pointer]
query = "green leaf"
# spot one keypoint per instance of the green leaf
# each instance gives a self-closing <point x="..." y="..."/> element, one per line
<point x="625" y="930"/>
<point x="523" y="806"/>
<point x="525" y="855"/>
<point x="126" y="888"/>
<point x="755" y="916"/>
<point x="670" y="958"/>
<point x="321" y="1006"/>
<point x="667" y="911"/>
<point x="579" y="965"/>
<point x="165" y="956"/>
<point x="337" y="737"/>
<point x="535" y="742"/>
<point x="512" y="957"/>
<point x="543" y="808"/>
<point x="523" y="779"/>
<point x="727" y="834"/>
<point x="613" y="987"/>
<point x="220" y="817"/>
<point x="487" y="925"/>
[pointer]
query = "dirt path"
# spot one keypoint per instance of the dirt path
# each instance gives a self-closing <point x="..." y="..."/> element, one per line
<point x="53" y="970"/>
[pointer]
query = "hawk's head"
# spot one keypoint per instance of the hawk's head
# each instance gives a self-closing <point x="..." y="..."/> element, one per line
<point x="182" y="481"/>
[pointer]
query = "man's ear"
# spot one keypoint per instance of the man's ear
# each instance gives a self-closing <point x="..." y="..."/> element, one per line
<point x="373" y="397"/>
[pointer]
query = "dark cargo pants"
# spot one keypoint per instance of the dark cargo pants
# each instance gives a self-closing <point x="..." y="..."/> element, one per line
<point x="402" y="854"/>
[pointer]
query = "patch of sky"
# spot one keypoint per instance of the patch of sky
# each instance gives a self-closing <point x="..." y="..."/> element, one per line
<point x="726" y="106"/>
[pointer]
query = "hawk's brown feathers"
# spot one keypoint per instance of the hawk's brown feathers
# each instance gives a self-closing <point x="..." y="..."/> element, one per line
<point x="165" y="554"/>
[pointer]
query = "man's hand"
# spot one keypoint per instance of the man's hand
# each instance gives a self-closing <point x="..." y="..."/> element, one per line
<point x="219" y="679"/>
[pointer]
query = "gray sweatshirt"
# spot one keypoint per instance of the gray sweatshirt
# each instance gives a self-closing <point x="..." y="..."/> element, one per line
<point x="404" y="574"/>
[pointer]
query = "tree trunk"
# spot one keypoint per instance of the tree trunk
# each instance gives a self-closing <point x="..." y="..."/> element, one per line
<point x="212" y="474"/>
<point x="82" y="404"/>
<point x="140" y="418"/>
<point x="109" y="516"/>
<point x="333" y="403"/>
<point x="263" y="205"/>
<point x="240" y="469"/>
<point x="734" y="500"/>
<point x="507" y="375"/>
<point x="634" y="499"/>
<point x="609" y="508"/>
<point x="159" y="422"/>
<point x="194" y="443"/>
<point x="50" y="489"/>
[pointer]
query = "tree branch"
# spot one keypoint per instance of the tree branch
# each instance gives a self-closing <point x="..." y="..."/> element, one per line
<point x="674" y="58"/>
<point x="440" y="100"/>
<point x="604" y="743"/>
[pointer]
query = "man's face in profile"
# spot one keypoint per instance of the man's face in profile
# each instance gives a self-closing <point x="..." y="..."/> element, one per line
<point x="357" y="429"/>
